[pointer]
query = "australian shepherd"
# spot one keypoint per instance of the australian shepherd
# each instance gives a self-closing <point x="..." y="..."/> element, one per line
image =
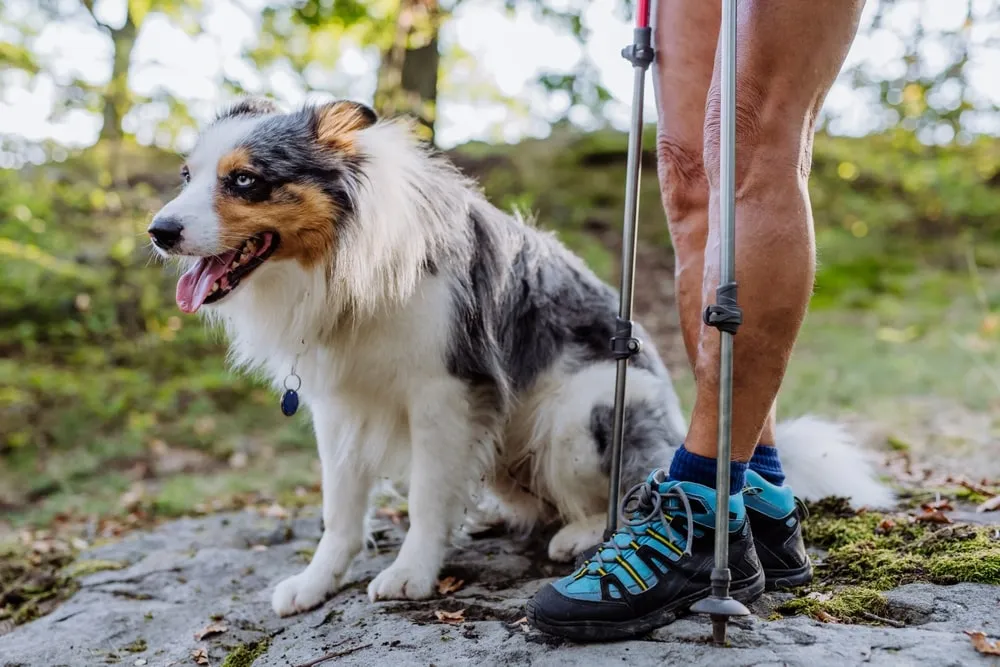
<point x="436" y="340"/>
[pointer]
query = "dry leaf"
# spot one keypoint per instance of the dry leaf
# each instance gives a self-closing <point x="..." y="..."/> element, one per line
<point x="453" y="617"/>
<point x="885" y="526"/>
<point x="982" y="644"/>
<point x="276" y="511"/>
<point x="819" y="597"/>
<point x="942" y="504"/>
<point x="825" y="617"/>
<point x="209" y="630"/>
<point x="200" y="656"/>
<point x="933" y="516"/>
<point x="132" y="498"/>
<point x="449" y="585"/>
<point x="990" y="505"/>
<point x="394" y="514"/>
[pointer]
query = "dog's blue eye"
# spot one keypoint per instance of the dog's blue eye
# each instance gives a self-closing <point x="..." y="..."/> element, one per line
<point x="243" y="180"/>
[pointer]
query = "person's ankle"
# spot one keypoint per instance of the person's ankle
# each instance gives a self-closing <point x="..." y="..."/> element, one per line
<point x="766" y="463"/>
<point x="689" y="467"/>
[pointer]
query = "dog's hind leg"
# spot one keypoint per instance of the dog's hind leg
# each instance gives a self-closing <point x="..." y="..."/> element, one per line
<point x="346" y="487"/>
<point x="576" y="455"/>
<point x="443" y="465"/>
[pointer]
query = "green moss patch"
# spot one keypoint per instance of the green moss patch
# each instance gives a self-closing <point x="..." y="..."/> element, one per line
<point x="245" y="654"/>
<point x="868" y="553"/>
<point x="32" y="583"/>
<point x="35" y="578"/>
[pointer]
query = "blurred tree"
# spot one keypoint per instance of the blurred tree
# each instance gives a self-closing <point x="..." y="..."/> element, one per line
<point x="927" y="90"/>
<point x="115" y="98"/>
<point x="305" y="37"/>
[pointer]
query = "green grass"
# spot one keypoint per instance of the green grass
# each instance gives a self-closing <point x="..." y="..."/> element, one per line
<point x="926" y="341"/>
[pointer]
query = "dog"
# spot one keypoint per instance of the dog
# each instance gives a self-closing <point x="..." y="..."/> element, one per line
<point x="435" y="340"/>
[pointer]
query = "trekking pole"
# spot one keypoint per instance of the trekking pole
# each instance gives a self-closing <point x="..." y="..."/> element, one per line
<point x="726" y="316"/>
<point x="623" y="344"/>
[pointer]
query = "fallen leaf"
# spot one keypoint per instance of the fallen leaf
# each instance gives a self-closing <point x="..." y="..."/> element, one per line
<point x="990" y="505"/>
<point x="200" y="656"/>
<point x="982" y="644"/>
<point x="209" y="630"/>
<point x="276" y="511"/>
<point x="131" y="499"/>
<point x="819" y="597"/>
<point x="933" y="516"/>
<point x="452" y="617"/>
<point x="942" y="504"/>
<point x="825" y="617"/>
<point x="449" y="585"/>
<point x="394" y="514"/>
<point x="885" y="526"/>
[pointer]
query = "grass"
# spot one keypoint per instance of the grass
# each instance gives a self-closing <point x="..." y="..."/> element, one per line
<point x="933" y="339"/>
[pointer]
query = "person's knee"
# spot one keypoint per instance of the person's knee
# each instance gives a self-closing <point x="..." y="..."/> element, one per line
<point x="683" y="186"/>
<point x="771" y="147"/>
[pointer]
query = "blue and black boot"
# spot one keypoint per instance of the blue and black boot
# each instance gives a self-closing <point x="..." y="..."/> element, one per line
<point x="776" y="517"/>
<point x="652" y="569"/>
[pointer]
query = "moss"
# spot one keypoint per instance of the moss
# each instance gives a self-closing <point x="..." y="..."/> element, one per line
<point x="82" y="568"/>
<point x="32" y="583"/>
<point x="868" y="552"/>
<point x="245" y="654"/>
<point x="138" y="646"/>
<point x="849" y="604"/>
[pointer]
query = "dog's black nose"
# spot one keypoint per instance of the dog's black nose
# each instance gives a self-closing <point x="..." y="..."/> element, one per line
<point x="165" y="232"/>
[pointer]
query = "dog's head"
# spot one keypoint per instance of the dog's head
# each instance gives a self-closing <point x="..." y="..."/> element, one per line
<point x="260" y="186"/>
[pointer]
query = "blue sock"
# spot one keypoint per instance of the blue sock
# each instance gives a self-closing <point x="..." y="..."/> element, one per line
<point x="765" y="462"/>
<point x="688" y="467"/>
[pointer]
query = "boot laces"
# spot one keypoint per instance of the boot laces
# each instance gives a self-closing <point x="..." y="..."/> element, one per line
<point x="642" y="504"/>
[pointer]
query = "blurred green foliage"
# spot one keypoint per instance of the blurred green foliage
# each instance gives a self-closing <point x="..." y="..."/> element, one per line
<point x="97" y="363"/>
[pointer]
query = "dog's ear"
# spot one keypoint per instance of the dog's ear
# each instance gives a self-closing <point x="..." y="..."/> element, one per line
<point x="248" y="106"/>
<point x="337" y="121"/>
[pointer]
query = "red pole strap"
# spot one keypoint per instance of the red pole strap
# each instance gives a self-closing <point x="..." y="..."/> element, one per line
<point x="642" y="14"/>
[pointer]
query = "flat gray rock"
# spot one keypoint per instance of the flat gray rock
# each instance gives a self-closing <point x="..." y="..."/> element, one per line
<point x="187" y="573"/>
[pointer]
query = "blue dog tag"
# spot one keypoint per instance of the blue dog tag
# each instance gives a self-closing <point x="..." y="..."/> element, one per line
<point x="289" y="402"/>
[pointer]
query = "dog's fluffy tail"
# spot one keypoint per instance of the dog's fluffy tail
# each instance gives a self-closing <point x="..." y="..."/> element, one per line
<point x="821" y="459"/>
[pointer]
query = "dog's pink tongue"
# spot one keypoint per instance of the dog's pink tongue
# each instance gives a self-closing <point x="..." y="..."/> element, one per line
<point x="194" y="286"/>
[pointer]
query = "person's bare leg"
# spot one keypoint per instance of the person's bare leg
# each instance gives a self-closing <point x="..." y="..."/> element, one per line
<point x="686" y="37"/>
<point x="687" y="34"/>
<point x="788" y="54"/>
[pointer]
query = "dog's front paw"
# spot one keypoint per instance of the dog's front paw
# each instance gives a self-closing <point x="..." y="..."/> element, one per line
<point x="306" y="590"/>
<point x="402" y="582"/>
<point x="574" y="539"/>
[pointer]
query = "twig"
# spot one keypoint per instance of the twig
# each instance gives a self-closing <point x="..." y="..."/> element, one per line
<point x="977" y="488"/>
<point x="331" y="656"/>
<point x="879" y="619"/>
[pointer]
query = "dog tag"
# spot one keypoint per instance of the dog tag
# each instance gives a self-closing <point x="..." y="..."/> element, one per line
<point x="289" y="402"/>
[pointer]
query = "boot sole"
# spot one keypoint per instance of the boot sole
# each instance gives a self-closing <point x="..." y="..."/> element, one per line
<point x="777" y="580"/>
<point x="745" y="591"/>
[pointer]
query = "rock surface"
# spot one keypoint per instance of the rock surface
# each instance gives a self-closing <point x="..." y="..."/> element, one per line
<point x="221" y="569"/>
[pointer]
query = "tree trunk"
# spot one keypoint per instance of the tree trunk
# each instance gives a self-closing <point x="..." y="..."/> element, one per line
<point x="408" y="76"/>
<point x="117" y="100"/>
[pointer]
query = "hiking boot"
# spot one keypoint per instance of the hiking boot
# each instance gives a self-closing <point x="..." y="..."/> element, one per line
<point x="653" y="568"/>
<point x="776" y="516"/>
